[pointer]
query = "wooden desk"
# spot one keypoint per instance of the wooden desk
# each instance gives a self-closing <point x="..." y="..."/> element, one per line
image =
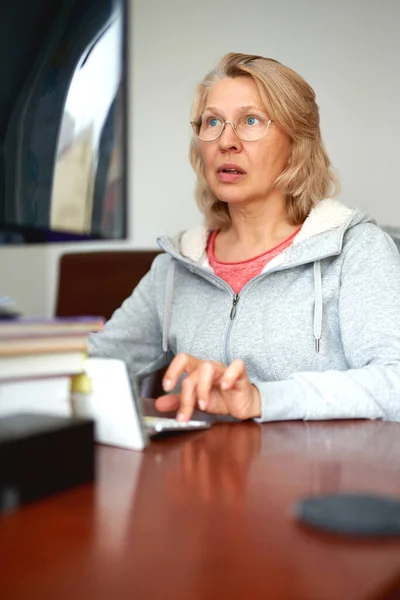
<point x="206" y="516"/>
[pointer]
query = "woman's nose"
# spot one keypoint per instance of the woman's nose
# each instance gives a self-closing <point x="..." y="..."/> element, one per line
<point x="229" y="140"/>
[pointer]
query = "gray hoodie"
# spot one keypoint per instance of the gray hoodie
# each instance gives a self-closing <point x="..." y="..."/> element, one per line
<point x="318" y="329"/>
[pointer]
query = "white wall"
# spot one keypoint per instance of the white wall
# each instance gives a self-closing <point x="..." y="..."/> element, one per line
<point x="348" y="50"/>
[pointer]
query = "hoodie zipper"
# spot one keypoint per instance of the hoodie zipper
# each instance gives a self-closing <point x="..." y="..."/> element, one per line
<point x="234" y="303"/>
<point x="232" y="315"/>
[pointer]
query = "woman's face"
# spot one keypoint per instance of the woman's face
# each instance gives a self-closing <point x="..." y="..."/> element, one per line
<point x="257" y="163"/>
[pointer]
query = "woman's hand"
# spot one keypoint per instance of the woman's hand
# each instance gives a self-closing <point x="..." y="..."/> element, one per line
<point x="212" y="387"/>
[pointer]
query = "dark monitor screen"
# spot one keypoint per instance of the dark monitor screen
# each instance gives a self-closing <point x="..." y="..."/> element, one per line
<point x="63" y="120"/>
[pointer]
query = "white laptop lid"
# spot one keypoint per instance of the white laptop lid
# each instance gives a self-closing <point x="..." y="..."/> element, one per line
<point x="112" y="405"/>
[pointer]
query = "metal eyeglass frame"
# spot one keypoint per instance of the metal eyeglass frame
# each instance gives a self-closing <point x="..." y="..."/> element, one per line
<point x="195" y="124"/>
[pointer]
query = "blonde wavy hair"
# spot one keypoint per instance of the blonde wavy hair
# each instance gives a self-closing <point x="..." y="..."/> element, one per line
<point x="290" y="102"/>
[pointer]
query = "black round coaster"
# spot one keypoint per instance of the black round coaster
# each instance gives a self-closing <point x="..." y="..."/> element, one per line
<point x="351" y="514"/>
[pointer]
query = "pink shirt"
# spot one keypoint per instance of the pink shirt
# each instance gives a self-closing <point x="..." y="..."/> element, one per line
<point x="237" y="274"/>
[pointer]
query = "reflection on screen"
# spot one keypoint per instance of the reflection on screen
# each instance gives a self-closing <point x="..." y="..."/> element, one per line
<point x="64" y="144"/>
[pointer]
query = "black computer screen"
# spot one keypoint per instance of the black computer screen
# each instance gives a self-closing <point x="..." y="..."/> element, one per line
<point x="63" y="120"/>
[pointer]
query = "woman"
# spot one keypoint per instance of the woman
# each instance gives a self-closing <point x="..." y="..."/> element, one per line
<point x="286" y="304"/>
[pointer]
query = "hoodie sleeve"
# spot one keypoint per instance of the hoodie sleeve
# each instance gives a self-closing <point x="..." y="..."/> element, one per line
<point x="369" y="316"/>
<point x="134" y="333"/>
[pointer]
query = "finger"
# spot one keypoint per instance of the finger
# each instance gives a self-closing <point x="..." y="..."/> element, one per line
<point x="233" y="374"/>
<point x="182" y="363"/>
<point x="167" y="403"/>
<point x="188" y="398"/>
<point x="209" y="373"/>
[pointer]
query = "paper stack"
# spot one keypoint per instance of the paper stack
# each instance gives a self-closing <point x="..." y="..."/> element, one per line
<point x="37" y="360"/>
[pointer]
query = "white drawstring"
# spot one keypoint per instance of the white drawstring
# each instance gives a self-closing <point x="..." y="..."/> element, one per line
<point x="317" y="304"/>
<point x="168" y="304"/>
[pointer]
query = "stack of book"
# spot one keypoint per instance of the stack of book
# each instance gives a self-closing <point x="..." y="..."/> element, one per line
<point x="37" y="360"/>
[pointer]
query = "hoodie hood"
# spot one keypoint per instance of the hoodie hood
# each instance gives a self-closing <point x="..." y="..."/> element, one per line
<point x="321" y="235"/>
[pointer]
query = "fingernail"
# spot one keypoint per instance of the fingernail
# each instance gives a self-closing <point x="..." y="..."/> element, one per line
<point x="167" y="385"/>
<point x="202" y="405"/>
<point x="181" y="417"/>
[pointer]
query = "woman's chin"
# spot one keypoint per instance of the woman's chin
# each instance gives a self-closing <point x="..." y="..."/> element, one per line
<point x="229" y="193"/>
<point x="229" y="196"/>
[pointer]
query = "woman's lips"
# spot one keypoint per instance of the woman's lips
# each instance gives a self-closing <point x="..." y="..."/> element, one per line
<point x="229" y="177"/>
<point x="230" y="173"/>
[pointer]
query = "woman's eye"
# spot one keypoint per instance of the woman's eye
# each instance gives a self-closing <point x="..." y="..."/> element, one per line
<point x="213" y="122"/>
<point x="252" y="121"/>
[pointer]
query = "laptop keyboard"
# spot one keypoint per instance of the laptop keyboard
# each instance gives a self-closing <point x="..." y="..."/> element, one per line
<point x="166" y="424"/>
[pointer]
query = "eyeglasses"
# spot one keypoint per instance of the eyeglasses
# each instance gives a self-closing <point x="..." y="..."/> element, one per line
<point x="248" y="129"/>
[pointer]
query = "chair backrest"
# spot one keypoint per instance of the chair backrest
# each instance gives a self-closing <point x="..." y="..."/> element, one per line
<point x="96" y="283"/>
<point x="394" y="232"/>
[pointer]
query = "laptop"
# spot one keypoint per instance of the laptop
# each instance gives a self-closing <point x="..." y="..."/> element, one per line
<point x="116" y="409"/>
